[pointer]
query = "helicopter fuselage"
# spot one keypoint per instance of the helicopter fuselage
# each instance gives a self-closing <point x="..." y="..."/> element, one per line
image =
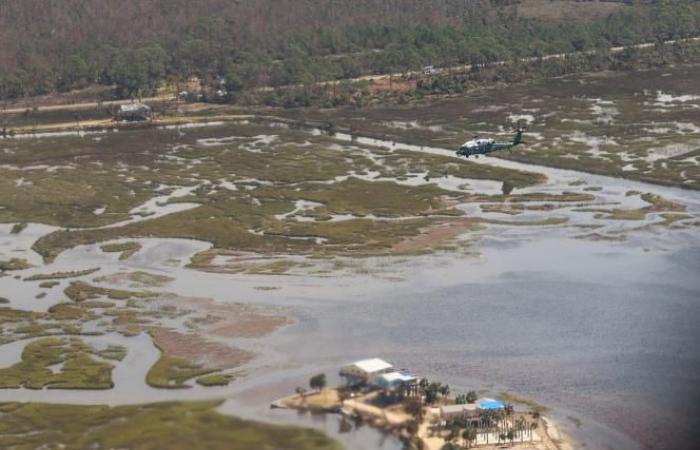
<point x="477" y="147"/>
<point x="481" y="146"/>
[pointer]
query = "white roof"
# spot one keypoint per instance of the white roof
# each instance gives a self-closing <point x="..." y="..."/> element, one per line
<point x="131" y="107"/>
<point x="397" y="376"/>
<point x="372" y="365"/>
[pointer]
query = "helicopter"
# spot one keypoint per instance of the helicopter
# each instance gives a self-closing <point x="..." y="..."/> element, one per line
<point x="481" y="146"/>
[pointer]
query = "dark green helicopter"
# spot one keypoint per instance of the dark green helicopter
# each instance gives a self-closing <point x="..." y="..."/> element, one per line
<point x="481" y="146"/>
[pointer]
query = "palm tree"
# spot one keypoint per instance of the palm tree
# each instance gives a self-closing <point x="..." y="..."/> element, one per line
<point x="469" y="435"/>
<point x="507" y="413"/>
<point x="520" y="427"/>
<point x="485" y="420"/>
<point x="423" y="383"/>
<point x="533" y="426"/>
<point x="301" y="392"/>
<point x="444" y="390"/>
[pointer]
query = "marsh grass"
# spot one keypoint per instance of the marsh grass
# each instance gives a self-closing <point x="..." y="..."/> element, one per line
<point x="214" y="380"/>
<point x="14" y="264"/>
<point x="172" y="373"/>
<point x="61" y="275"/>
<point x="173" y="425"/>
<point x="127" y="249"/>
<point x="79" y="370"/>
<point x="513" y="398"/>
<point x="79" y="291"/>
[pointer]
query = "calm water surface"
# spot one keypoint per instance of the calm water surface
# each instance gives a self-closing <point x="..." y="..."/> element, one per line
<point x="604" y="333"/>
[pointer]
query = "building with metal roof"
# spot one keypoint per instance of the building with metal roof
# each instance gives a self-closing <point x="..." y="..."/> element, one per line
<point x="395" y="380"/>
<point x="464" y="411"/>
<point x="365" y="371"/>
<point x="469" y="410"/>
<point x="134" y="112"/>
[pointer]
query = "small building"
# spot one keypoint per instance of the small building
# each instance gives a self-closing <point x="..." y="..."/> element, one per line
<point x="457" y="412"/>
<point x="394" y="380"/>
<point x="134" y="112"/>
<point x="364" y="372"/>
<point x="469" y="410"/>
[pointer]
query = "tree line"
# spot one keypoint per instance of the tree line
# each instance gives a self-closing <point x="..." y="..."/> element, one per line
<point x="56" y="45"/>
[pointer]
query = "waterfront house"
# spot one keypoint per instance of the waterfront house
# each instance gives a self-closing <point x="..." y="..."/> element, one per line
<point x="398" y="380"/>
<point x="365" y="372"/>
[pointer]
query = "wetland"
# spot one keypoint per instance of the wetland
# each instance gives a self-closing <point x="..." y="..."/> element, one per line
<point x="183" y="277"/>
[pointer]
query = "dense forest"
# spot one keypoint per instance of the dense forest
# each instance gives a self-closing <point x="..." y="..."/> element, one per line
<point x="58" y="45"/>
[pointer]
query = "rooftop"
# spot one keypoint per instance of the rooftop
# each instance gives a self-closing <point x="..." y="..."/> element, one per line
<point x="131" y="107"/>
<point x="459" y="408"/>
<point x="372" y="365"/>
<point x="403" y="375"/>
<point x="489" y="403"/>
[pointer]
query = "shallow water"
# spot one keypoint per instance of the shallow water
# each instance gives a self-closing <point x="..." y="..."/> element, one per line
<point x="603" y="332"/>
<point x="606" y="334"/>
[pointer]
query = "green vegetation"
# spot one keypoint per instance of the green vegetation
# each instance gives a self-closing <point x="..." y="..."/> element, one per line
<point x="656" y="204"/>
<point x="79" y="291"/>
<point x="60" y="319"/>
<point x="175" y="426"/>
<point x="76" y="368"/>
<point x="564" y="197"/>
<point x="605" y="123"/>
<point x="149" y="279"/>
<point x="113" y="352"/>
<point x="14" y="264"/>
<point x="216" y="379"/>
<point x="318" y="382"/>
<point x="401" y="164"/>
<point x="127" y="249"/>
<point x="172" y="373"/>
<point x="270" y="172"/>
<point x="282" y="171"/>
<point x="18" y="228"/>
<point x="469" y="397"/>
<point x="671" y="219"/>
<point x="282" y="45"/>
<point x="61" y="275"/>
<point x="513" y="398"/>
